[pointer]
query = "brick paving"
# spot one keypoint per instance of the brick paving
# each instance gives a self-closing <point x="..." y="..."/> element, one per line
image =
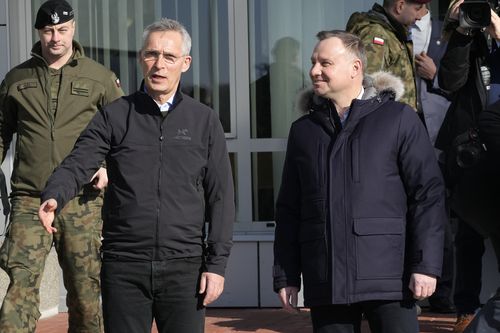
<point x="221" y="320"/>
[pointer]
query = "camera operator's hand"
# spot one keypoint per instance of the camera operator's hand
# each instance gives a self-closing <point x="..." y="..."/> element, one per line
<point x="494" y="27"/>
<point x="453" y="11"/>
<point x="425" y="66"/>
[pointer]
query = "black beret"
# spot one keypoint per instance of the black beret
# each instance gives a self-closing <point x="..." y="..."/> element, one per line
<point x="53" y="12"/>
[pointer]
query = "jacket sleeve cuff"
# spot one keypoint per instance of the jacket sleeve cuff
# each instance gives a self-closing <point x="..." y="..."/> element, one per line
<point x="432" y="271"/>
<point x="219" y="269"/>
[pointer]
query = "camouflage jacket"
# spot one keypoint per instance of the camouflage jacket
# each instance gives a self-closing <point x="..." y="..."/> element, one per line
<point x="44" y="138"/>
<point x="388" y="47"/>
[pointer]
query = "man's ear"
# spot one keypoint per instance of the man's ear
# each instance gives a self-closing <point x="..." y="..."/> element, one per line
<point x="399" y="6"/>
<point x="357" y="68"/>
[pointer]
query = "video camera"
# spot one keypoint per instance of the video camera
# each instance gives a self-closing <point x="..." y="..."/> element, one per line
<point x="475" y="14"/>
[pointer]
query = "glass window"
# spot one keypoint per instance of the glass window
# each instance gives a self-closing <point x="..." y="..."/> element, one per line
<point x="266" y="171"/>
<point x="281" y="39"/>
<point x="282" y="35"/>
<point x="111" y="32"/>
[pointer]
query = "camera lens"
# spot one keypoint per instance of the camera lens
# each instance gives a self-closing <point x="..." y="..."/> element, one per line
<point x="475" y="14"/>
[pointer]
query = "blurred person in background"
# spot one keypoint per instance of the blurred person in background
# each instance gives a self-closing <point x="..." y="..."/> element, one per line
<point x="465" y="72"/>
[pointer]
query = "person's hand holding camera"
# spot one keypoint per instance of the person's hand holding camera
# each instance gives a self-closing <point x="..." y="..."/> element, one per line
<point x="454" y="11"/>
<point x="494" y="27"/>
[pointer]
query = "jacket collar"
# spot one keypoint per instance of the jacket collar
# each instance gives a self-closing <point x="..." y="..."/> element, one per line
<point x="376" y="85"/>
<point x="378" y="13"/>
<point x="177" y="97"/>
<point x="78" y="53"/>
<point x="380" y="87"/>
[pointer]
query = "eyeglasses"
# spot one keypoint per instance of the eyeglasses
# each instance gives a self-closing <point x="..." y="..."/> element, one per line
<point x="152" y="55"/>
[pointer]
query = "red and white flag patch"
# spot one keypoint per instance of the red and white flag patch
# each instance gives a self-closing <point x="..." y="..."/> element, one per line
<point x="378" y="41"/>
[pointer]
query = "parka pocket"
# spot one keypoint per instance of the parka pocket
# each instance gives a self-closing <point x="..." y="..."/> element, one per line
<point x="379" y="247"/>
<point x="313" y="252"/>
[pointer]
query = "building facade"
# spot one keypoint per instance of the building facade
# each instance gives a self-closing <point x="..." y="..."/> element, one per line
<point x="250" y="58"/>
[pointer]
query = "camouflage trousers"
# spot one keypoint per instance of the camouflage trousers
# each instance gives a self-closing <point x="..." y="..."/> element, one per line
<point x="22" y="256"/>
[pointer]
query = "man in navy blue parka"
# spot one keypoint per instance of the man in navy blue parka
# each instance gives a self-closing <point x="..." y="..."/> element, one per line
<point x="360" y="214"/>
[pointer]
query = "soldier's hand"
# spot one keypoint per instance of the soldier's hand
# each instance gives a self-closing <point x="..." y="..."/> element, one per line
<point x="100" y="179"/>
<point x="46" y="214"/>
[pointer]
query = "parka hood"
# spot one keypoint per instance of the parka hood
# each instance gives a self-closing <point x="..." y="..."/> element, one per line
<point x="377" y="85"/>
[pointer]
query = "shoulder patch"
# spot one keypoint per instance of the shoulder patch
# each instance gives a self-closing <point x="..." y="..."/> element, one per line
<point x="378" y="41"/>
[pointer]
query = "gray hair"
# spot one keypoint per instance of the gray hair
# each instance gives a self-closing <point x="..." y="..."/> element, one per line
<point x="351" y="42"/>
<point x="166" y="24"/>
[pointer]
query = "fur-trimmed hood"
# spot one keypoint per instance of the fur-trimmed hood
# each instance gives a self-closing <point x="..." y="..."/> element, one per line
<point x="375" y="85"/>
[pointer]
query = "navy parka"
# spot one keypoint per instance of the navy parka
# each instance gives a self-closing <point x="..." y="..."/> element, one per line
<point x="359" y="208"/>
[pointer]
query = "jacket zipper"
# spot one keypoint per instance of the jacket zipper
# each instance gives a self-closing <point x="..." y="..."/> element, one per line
<point x="344" y="148"/>
<point x="158" y="208"/>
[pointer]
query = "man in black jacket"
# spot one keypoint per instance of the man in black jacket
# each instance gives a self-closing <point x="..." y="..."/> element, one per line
<point x="488" y="318"/>
<point x="360" y="212"/>
<point x="464" y="73"/>
<point x="169" y="172"/>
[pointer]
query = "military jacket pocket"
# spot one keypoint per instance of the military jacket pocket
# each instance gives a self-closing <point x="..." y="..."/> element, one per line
<point x="80" y="89"/>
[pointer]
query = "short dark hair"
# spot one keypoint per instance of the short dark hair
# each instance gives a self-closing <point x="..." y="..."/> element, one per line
<point x="351" y="42"/>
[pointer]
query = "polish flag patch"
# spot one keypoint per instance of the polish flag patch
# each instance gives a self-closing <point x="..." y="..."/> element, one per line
<point x="378" y="41"/>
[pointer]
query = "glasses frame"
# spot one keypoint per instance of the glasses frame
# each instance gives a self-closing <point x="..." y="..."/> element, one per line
<point x="155" y="55"/>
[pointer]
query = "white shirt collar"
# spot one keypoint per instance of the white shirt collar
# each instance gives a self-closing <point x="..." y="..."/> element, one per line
<point x="165" y="106"/>
<point x="424" y="22"/>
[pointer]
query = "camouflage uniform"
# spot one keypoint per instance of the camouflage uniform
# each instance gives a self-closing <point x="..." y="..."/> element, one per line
<point x="48" y="109"/>
<point x="388" y="47"/>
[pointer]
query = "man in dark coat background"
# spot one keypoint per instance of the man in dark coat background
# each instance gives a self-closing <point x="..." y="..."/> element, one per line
<point x="488" y="318"/>
<point x="465" y="75"/>
<point x="428" y="48"/>
<point x="360" y="213"/>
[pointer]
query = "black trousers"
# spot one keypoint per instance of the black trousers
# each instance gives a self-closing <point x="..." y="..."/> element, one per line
<point x="136" y="292"/>
<point x="383" y="317"/>
<point x="445" y="282"/>
<point x="469" y="255"/>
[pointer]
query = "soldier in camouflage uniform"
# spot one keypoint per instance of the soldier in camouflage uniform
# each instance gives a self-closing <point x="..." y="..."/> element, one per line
<point x="48" y="101"/>
<point x="384" y="32"/>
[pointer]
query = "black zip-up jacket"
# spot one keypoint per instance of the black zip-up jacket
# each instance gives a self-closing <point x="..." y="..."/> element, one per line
<point x="167" y="176"/>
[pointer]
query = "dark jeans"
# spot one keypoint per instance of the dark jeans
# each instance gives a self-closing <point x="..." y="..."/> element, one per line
<point x="383" y="317"/>
<point x="136" y="292"/>
<point x="469" y="255"/>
